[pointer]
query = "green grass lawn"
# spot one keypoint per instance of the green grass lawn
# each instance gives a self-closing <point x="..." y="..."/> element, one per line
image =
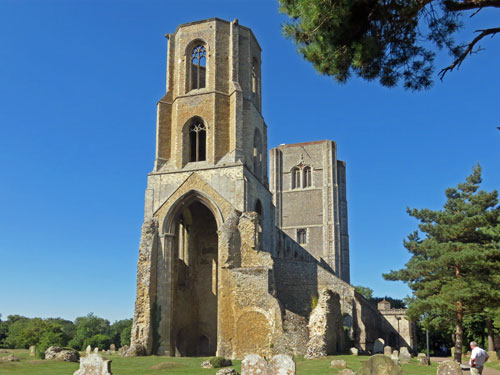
<point x="170" y="366"/>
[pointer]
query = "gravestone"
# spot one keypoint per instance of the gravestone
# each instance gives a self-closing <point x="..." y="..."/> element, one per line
<point x="404" y="355"/>
<point x="32" y="350"/>
<point x="424" y="361"/>
<point x="112" y="347"/>
<point x="449" y="368"/>
<point x="379" y="364"/>
<point x="421" y="355"/>
<point x="96" y="350"/>
<point x="253" y="364"/>
<point x="387" y="351"/>
<point x="354" y="351"/>
<point x="395" y="357"/>
<point x="94" y="364"/>
<point x="493" y="356"/>
<point x="281" y="364"/>
<point x="88" y="350"/>
<point x="378" y="346"/>
<point x="338" y="363"/>
<point x="347" y="371"/>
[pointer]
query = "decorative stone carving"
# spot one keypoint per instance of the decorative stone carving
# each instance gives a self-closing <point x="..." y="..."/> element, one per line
<point x="94" y="364"/>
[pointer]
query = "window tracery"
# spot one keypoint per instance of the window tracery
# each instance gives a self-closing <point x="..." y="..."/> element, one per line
<point x="198" y="67"/>
<point x="198" y="141"/>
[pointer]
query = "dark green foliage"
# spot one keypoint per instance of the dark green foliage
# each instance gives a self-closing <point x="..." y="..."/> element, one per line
<point x="217" y="362"/>
<point x="389" y="41"/>
<point x="120" y="332"/>
<point x="455" y="270"/>
<point x="100" y="341"/>
<point x="368" y="294"/>
<point x="87" y="327"/>
<point x="49" y="338"/>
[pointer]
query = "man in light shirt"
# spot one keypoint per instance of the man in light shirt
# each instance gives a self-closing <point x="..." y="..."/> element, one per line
<point x="477" y="358"/>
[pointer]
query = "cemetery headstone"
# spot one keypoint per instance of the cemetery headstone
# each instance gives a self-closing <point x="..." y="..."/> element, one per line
<point x="94" y="364"/>
<point x="404" y="355"/>
<point x="387" y="351"/>
<point x="112" y="348"/>
<point x="378" y="346"/>
<point x="379" y="364"/>
<point x="88" y="350"/>
<point x="32" y="350"/>
<point x="354" y="351"/>
<point x="281" y="364"/>
<point x="449" y="368"/>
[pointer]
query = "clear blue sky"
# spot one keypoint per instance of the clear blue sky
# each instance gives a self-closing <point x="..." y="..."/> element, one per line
<point x="79" y="84"/>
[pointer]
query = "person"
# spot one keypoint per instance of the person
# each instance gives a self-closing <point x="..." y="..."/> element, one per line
<point x="477" y="358"/>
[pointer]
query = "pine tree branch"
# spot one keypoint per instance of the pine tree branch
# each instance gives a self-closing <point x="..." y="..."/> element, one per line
<point x="469" y="50"/>
<point x="455" y="6"/>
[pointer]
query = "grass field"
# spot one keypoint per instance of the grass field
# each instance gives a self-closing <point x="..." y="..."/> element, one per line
<point x="171" y="366"/>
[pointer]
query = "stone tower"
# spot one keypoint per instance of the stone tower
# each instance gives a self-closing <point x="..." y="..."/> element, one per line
<point x="211" y="161"/>
<point x="216" y="274"/>
<point x="309" y="192"/>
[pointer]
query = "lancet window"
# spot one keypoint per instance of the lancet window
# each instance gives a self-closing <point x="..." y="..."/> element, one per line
<point x="198" y="141"/>
<point x="198" y="67"/>
<point x="295" y="178"/>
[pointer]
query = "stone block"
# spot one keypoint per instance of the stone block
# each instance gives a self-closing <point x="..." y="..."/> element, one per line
<point x="253" y="364"/>
<point x="88" y="350"/>
<point x="378" y="346"/>
<point x="421" y="355"/>
<point x="449" y="368"/>
<point x="281" y="364"/>
<point x="354" y="351"/>
<point x="94" y="364"/>
<point x="493" y="356"/>
<point x="404" y="355"/>
<point x="395" y="357"/>
<point x="32" y="350"/>
<point x="387" y="351"/>
<point x="227" y="371"/>
<point x="424" y="361"/>
<point x="112" y="348"/>
<point x="379" y="364"/>
<point x="338" y="363"/>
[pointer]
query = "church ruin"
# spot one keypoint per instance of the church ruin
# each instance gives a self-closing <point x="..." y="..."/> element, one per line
<point x="228" y="263"/>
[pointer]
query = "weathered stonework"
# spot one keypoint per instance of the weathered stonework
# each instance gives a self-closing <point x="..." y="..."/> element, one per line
<point x="219" y="271"/>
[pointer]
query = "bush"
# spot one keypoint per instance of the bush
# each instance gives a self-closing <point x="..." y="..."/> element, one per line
<point x="48" y="339"/>
<point x="218" y="362"/>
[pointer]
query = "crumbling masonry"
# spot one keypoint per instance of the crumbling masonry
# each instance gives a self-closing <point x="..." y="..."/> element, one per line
<point x="227" y="265"/>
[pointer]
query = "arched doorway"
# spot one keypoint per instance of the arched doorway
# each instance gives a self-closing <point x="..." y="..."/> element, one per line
<point x="195" y="281"/>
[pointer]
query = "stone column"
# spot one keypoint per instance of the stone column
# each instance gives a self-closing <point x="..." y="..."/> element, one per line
<point x="163" y="314"/>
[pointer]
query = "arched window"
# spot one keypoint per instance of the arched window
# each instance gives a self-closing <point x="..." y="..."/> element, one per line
<point x="295" y="178"/>
<point x="257" y="154"/>
<point x="306" y="174"/>
<point x="260" y="224"/>
<point x="197" y="141"/>
<point x="198" y="67"/>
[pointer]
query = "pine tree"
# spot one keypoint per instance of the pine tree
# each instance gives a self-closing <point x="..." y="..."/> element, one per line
<point x="455" y="269"/>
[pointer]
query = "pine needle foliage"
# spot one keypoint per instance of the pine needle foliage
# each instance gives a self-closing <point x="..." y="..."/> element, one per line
<point x="454" y="270"/>
<point x="385" y="40"/>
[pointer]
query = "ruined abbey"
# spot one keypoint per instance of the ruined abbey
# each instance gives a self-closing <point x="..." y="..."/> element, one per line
<point x="233" y="262"/>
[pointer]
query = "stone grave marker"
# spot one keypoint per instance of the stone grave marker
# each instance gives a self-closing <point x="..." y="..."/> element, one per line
<point x="449" y="368"/>
<point x="112" y="347"/>
<point x="395" y="357"/>
<point x="281" y="364"/>
<point x="253" y="364"/>
<point x="88" y="350"/>
<point x="404" y="355"/>
<point x="94" y="364"/>
<point x="32" y="350"/>
<point x="379" y="364"/>
<point x="354" y="351"/>
<point x="96" y="350"/>
<point x="493" y="356"/>
<point x="387" y="351"/>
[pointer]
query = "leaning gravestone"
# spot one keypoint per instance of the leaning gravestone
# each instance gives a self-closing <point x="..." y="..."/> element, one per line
<point x="112" y="348"/>
<point x="378" y="346"/>
<point x="281" y="364"/>
<point x="387" y="351"/>
<point x="449" y="368"/>
<point x="379" y="364"/>
<point x="404" y="355"/>
<point x="253" y="364"/>
<point x="32" y="350"/>
<point x="88" y="350"/>
<point x="94" y="364"/>
<point x="354" y="351"/>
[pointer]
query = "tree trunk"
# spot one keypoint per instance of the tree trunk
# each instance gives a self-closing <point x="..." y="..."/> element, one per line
<point x="459" y="333"/>
<point x="491" y="335"/>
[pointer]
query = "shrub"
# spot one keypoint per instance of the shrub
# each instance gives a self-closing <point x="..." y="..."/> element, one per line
<point x="100" y="341"/>
<point x="217" y="362"/>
